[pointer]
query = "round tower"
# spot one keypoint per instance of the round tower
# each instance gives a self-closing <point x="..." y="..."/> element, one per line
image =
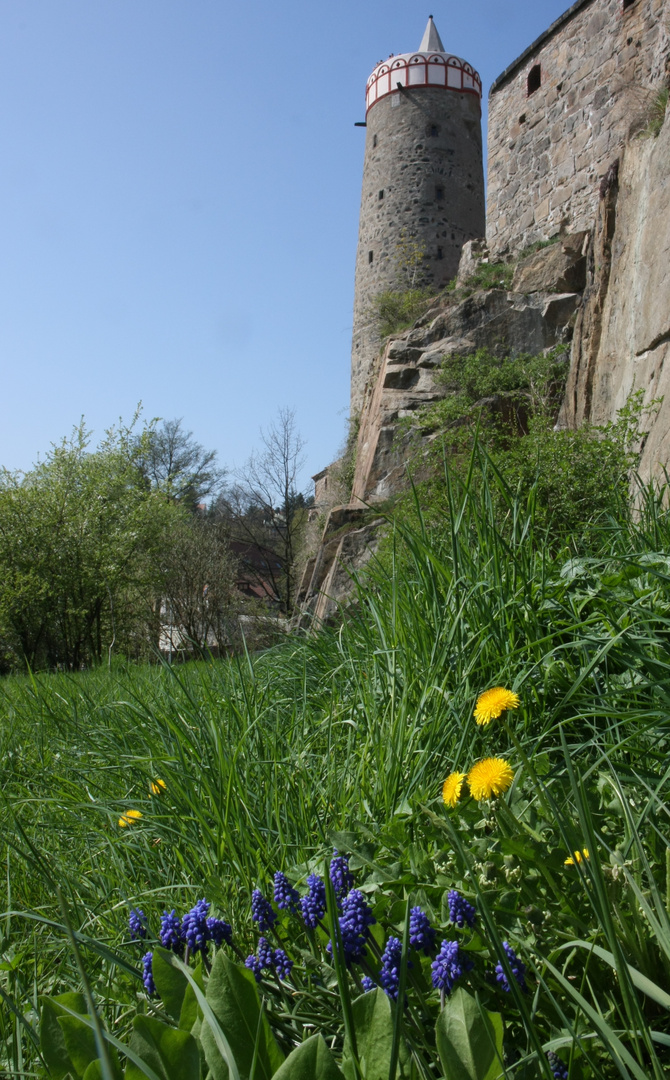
<point x="423" y="183"/>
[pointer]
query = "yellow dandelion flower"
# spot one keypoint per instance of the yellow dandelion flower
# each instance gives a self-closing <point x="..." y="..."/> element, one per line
<point x="577" y="857"/>
<point x="451" y="789"/>
<point x="489" y="777"/>
<point x="129" y="817"/>
<point x="157" y="787"/>
<point x="493" y="702"/>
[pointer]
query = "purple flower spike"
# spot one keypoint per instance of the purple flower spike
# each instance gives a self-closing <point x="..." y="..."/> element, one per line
<point x="518" y="969"/>
<point x="559" y="1070"/>
<point x="194" y="927"/>
<point x="460" y="911"/>
<point x="170" y="933"/>
<point x="449" y="965"/>
<point x="147" y="974"/>
<point x="340" y="875"/>
<point x="281" y="963"/>
<point x="219" y="931"/>
<point x="261" y="911"/>
<point x="286" y="897"/>
<point x="313" y="905"/>
<point x="421" y="933"/>
<point x="355" y="921"/>
<point x="254" y="965"/>
<point x="389" y="976"/>
<point x="137" y="922"/>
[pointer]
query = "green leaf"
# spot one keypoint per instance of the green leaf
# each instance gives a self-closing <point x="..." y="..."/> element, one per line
<point x="79" y="1042"/>
<point x="233" y="998"/>
<point x="469" y="1039"/>
<point x="373" y="1023"/>
<point x="190" y="1010"/>
<point x="52" y="1040"/>
<point x="311" y="1061"/>
<point x="170" y="983"/>
<point x="94" y="1071"/>
<point x="171" y="1053"/>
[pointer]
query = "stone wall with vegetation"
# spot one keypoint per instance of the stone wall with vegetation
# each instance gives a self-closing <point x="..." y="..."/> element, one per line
<point x="548" y="150"/>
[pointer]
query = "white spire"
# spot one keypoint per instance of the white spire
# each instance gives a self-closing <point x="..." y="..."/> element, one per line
<point x="431" y="41"/>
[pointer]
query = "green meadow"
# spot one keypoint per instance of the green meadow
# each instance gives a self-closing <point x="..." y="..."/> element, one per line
<point x="341" y="741"/>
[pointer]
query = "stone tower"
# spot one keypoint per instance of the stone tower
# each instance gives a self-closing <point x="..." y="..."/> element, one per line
<point x="423" y="183"/>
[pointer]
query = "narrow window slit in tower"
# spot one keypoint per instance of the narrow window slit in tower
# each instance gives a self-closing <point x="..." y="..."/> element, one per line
<point x="381" y="195"/>
<point x="370" y="256"/>
<point x="439" y="193"/>
<point x="439" y="253"/>
<point x="534" y="78"/>
<point x="374" y="140"/>
<point x="433" y="131"/>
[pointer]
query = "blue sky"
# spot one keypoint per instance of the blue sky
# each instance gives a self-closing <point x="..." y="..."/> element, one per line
<point x="179" y="193"/>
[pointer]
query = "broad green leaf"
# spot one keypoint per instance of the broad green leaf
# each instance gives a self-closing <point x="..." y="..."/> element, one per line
<point x="52" y="1040"/>
<point x="469" y="1039"/>
<point x="171" y="1053"/>
<point x="81" y="1046"/>
<point x="233" y="997"/>
<point x="94" y="1071"/>
<point x="311" y="1061"/>
<point x="170" y="983"/>
<point x="373" y="1023"/>
<point x="190" y="1010"/>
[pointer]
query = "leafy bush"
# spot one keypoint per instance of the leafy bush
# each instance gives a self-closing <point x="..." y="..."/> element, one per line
<point x="507" y="406"/>
<point x="395" y="311"/>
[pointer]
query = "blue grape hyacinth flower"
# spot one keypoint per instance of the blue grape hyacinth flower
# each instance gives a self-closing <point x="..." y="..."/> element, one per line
<point x="355" y="922"/>
<point x="461" y="912"/>
<point x="448" y="966"/>
<point x="421" y="933"/>
<point x="286" y="897"/>
<point x="389" y="975"/>
<point x="340" y="875"/>
<point x="137" y="923"/>
<point x="170" y="933"/>
<point x="558" y="1068"/>
<point x="281" y="963"/>
<point x="147" y="974"/>
<point x="253" y="963"/>
<point x="194" y="927"/>
<point x="261" y="911"/>
<point x="218" y="931"/>
<point x="518" y="969"/>
<point x="313" y="905"/>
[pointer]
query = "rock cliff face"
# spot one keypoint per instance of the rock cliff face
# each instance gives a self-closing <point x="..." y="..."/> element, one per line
<point x="504" y="322"/>
<point x="622" y="336"/>
<point x="607" y="289"/>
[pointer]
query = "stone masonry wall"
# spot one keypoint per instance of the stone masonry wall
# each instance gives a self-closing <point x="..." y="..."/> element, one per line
<point x="601" y="65"/>
<point x="423" y="179"/>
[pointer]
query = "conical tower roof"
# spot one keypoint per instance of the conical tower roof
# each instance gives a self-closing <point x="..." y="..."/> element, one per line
<point x="431" y="40"/>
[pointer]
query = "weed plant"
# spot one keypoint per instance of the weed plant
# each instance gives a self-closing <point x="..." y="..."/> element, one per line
<point x="345" y="738"/>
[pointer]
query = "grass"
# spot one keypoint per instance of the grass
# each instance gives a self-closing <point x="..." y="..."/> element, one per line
<point x="346" y="738"/>
<point x="657" y="113"/>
